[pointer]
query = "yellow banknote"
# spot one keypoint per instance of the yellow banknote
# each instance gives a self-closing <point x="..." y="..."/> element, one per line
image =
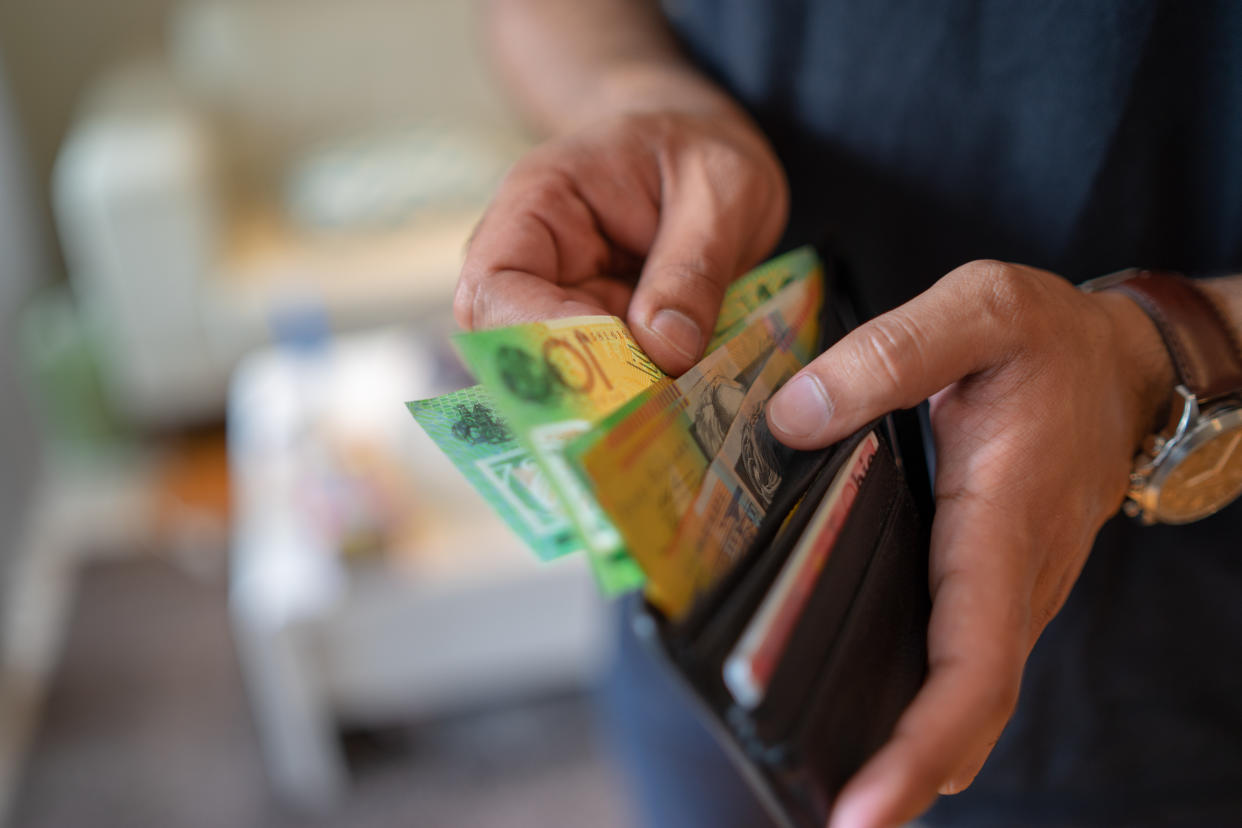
<point x="759" y="286"/>
<point x="647" y="469"/>
<point x="737" y="490"/>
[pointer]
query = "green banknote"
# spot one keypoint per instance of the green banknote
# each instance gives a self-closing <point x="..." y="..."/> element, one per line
<point x="467" y="427"/>
<point x="552" y="381"/>
<point x="645" y="468"/>
<point x="745" y="303"/>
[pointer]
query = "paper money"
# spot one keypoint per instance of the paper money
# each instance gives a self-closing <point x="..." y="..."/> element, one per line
<point x="646" y="469"/>
<point x="467" y="427"/>
<point x="797" y="309"/>
<point x="737" y="489"/>
<point x="552" y="381"/>
<point x="759" y="286"/>
<point x="750" y="451"/>
<point x="647" y="465"/>
<point x="558" y="389"/>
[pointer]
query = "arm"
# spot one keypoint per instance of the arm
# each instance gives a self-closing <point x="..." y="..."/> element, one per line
<point x="653" y="194"/>
<point x="569" y="63"/>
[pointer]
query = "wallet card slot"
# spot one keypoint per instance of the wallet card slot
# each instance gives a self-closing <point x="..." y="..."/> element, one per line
<point x="732" y="603"/>
<point x="814" y="637"/>
<point x="876" y="668"/>
<point x="809" y="466"/>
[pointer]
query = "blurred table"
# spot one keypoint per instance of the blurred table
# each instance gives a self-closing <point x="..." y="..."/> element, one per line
<point x="432" y="607"/>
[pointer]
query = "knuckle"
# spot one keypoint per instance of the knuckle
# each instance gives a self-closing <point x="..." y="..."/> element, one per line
<point x="526" y="171"/>
<point x="549" y="195"/>
<point x="542" y="181"/>
<point x="896" y="348"/>
<point x="724" y="158"/>
<point x="1006" y="293"/>
<point x="1007" y="299"/>
<point x="693" y="277"/>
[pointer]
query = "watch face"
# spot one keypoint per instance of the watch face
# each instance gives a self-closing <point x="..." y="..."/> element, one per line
<point x="1207" y="477"/>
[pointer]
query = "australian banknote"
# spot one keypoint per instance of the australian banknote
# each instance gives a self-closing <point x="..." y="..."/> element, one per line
<point x="467" y="428"/>
<point x="737" y="489"/>
<point x="647" y="462"/>
<point x="552" y="381"/>
<point x="759" y="286"/>
<point x="551" y="384"/>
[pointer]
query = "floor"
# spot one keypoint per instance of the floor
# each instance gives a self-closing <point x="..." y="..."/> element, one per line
<point x="145" y="724"/>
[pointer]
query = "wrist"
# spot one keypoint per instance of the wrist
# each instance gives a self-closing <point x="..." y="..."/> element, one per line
<point x="1144" y="356"/>
<point x="1143" y="362"/>
<point x="643" y="86"/>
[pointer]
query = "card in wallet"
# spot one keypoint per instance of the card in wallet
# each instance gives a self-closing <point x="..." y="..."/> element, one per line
<point x="806" y="652"/>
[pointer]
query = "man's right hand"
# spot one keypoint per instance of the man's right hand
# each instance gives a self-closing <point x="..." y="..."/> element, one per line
<point x="648" y="216"/>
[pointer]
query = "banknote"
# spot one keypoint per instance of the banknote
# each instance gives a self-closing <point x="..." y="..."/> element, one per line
<point x="552" y="381"/>
<point x="737" y="489"/>
<point x="759" y="286"/>
<point x="750" y="450"/>
<point x="554" y="389"/>
<point x="798" y="310"/>
<point x="646" y="469"/>
<point x="646" y="465"/>
<point x="467" y="427"/>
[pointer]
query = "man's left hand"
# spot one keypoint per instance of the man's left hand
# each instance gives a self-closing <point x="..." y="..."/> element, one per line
<point x="1040" y="397"/>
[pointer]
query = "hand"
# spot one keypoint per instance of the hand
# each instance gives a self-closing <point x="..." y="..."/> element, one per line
<point x="1040" y="396"/>
<point x="647" y="216"/>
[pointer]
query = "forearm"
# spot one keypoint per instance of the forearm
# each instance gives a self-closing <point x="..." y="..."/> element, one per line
<point x="568" y="62"/>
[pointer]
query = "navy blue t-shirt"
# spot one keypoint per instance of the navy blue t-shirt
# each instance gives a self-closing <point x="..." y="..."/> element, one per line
<point x="1081" y="137"/>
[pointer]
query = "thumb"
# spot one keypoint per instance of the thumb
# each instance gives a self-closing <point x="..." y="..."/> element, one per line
<point x="697" y="252"/>
<point x="956" y="328"/>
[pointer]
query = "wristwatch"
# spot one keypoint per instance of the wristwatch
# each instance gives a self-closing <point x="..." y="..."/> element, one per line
<point x="1192" y="467"/>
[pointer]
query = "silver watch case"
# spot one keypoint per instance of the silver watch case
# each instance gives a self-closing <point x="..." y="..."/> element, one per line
<point x="1195" y="427"/>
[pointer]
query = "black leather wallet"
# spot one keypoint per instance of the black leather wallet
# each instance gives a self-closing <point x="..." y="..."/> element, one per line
<point x="856" y="654"/>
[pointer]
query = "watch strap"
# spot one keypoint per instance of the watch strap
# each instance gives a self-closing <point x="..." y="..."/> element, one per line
<point x="1201" y="344"/>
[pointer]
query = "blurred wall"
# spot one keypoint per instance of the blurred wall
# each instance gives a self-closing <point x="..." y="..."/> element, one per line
<point x="50" y="49"/>
<point x="22" y="267"/>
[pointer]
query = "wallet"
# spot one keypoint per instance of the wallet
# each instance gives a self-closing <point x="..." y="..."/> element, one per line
<point x="841" y="559"/>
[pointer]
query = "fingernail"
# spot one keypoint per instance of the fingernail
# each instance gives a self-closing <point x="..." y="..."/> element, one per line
<point x="801" y="408"/>
<point x="680" y="332"/>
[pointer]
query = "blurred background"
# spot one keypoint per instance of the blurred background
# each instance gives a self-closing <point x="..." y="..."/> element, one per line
<point x="238" y="586"/>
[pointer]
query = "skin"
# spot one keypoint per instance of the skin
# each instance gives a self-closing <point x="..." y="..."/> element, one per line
<point x="654" y="191"/>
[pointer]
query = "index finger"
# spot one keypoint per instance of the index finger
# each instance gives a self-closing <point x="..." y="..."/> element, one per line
<point x="537" y="253"/>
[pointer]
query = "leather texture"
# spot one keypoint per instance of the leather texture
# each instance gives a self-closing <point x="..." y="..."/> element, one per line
<point x="853" y="662"/>
<point x="1203" y="348"/>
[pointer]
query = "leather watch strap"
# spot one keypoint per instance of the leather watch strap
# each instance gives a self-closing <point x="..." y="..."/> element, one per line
<point x="1200" y="342"/>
